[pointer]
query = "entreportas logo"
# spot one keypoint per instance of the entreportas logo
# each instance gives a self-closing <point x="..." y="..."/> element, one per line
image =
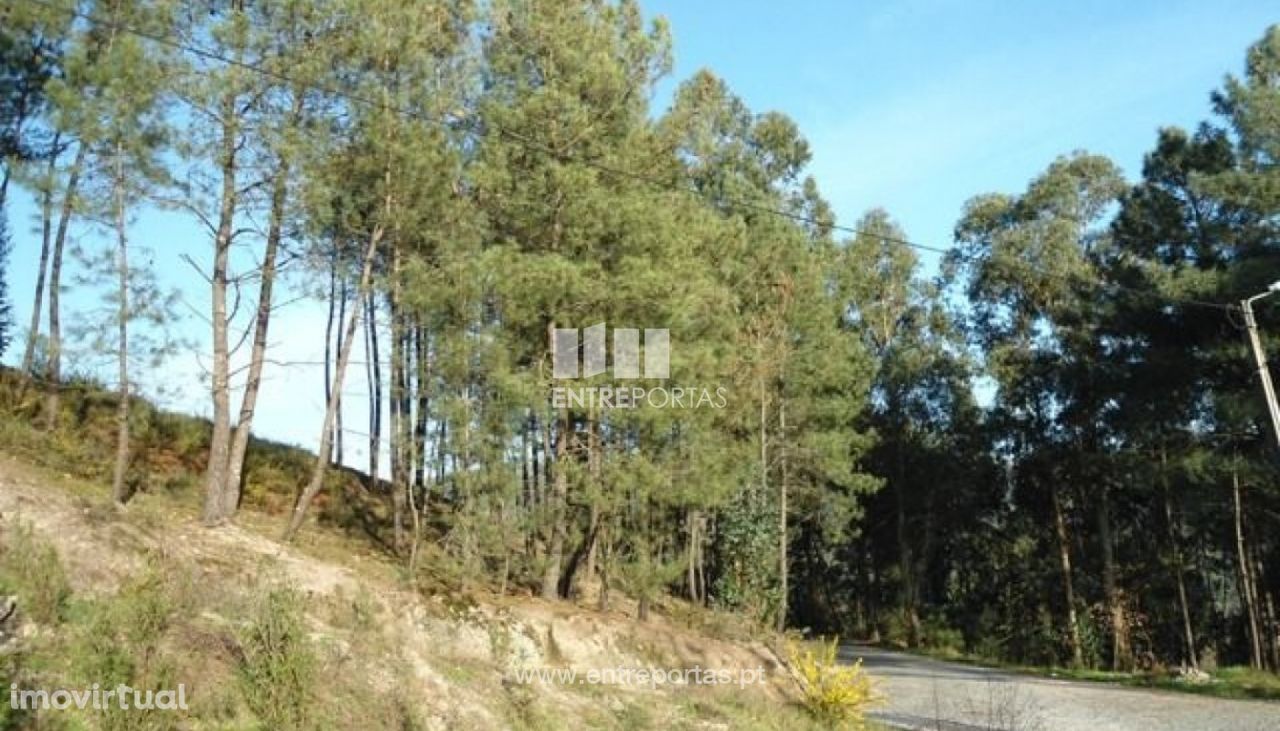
<point x="576" y="357"/>
<point x="626" y="352"/>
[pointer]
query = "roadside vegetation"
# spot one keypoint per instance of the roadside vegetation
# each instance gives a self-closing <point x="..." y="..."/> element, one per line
<point x="836" y="693"/>
<point x="1238" y="682"/>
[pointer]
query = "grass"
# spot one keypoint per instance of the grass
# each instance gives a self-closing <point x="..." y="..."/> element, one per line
<point x="1235" y="682"/>
<point x="278" y="667"/>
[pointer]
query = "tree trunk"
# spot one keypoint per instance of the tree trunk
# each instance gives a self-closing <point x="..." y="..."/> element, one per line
<point x="53" y="370"/>
<point x="1268" y="625"/>
<point x="328" y="323"/>
<point x="422" y="355"/>
<point x="526" y="467"/>
<point x="586" y="553"/>
<point x="906" y="562"/>
<point x="258" y="353"/>
<point x="373" y="365"/>
<point x="764" y="439"/>
<point x="559" y="498"/>
<point x="337" y="456"/>
<point x="534" y="504"/>
<point x="1175" y="548"/>
<point x="220" y="438"/>
<point x="706" y="532"/>
<point x="1273" y="619"/>
<point x="399" y="483"/>
<point x="606" y="551"/>
<point x="873" y="600"/>
<point x="46" y="238"/>
<point x="691" y="569"/>
<point x="415" y="479"/>
<point x="782" y="520"/>
<point x="1121" y="655"/>
<point x="1064" y="561"/>
<point x="118" y="487"/>
<point x="595" y="468"/>
<point x="1247" y="596"/>
<point x="344" y="356"/>
<point x="546" y="448"/>
<point x="559" y="511"/>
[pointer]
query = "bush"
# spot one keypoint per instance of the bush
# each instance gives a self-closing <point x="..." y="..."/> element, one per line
<point x="837" y="695"/>
<point x="894" y="630"/>
<point x="120" y="641"/>
<point x="940" y="637"/>
<point x="30" y="567"/>
<point x="278" y="664"/>
<point x="13" y="670"/>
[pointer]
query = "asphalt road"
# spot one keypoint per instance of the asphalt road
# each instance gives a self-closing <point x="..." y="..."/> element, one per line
<point x="942" y="696"/>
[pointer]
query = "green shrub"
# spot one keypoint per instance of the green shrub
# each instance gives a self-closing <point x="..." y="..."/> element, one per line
<point x="940" y="637"/>
<point x="12" y="670"/>
<point x="894" y="630"/>
<point x="120" y="641"/>
<point x="30" y="567"/>
<point x="1245" y="682"/>
<point x="1093" y="636"/>
<point x="278" y="664"/>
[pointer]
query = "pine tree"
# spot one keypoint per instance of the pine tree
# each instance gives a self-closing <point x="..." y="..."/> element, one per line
<point x="108" y="99"/>
<point x="383" y="188"/>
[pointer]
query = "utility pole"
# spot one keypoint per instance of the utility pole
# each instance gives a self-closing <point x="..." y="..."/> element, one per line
<point x="1260" y="357"/>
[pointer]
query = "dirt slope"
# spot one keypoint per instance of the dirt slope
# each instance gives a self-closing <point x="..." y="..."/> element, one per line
<point x="459" y="657"/>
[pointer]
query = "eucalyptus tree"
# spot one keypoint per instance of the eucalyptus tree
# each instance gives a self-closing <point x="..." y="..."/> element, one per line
<point x="1028" y="266"/>
<point x="900" y="318"/>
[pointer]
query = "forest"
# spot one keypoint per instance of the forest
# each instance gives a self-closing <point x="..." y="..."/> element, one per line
<point x="1050" y="448"/>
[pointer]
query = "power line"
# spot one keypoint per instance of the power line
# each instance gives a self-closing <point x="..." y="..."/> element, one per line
<point x="478" y="129"/>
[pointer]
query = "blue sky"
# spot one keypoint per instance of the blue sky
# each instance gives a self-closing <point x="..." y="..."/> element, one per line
<point x="915" y="106"/>
<point x="912" y="106"/>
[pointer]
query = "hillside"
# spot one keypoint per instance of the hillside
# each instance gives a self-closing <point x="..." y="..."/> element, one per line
<point x="346" y="639"/>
